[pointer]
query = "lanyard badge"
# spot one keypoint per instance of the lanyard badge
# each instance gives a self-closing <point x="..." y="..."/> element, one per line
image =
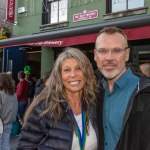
<point x="81" y="137"/>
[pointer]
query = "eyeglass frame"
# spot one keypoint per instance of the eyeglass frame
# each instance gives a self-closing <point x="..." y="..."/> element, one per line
<point x="114" y="52"/>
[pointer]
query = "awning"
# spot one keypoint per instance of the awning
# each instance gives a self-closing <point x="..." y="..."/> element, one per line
<point x="136" y="27"/>
<point x="70" y="41"/>
<point x="132" y="34"/>
<point x="137" y="33"/>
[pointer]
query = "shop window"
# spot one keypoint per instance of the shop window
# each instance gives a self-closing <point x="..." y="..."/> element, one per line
<point x="54" y="11"/>
<point x="123" y="5"/>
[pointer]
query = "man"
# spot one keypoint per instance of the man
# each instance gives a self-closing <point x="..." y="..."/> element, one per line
<point x="31" y="81"/>
<point x="22" y="94"/>
<point x="145" y="68"/>
<point x="126" y="104"/>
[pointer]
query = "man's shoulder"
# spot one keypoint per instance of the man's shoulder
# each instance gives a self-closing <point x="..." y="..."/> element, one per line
<point x="144" y="84"/>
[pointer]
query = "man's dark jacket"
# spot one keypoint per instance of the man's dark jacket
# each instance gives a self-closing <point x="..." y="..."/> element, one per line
<point x="43" y="134"/>
<point x="136" y="124"/>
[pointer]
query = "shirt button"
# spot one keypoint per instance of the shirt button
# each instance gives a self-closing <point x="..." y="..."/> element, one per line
<point x="105" y="127"/>
<point x="105" y="143"/>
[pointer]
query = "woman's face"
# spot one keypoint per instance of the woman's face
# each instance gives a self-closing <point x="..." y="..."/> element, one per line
<point x="72" y="76"/>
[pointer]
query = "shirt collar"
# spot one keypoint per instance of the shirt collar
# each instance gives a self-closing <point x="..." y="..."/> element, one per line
<point x="121" y="82"/>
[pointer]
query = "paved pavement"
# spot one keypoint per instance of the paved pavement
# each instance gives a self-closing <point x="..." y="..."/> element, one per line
<point x="14" y="141"/>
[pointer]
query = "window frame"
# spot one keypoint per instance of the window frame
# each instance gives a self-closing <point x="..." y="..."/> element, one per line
<point x="109" y="7"/>
<point x="47" y="12"/>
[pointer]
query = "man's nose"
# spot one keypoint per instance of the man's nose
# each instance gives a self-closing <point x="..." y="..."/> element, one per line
<point x="109" y="55"/>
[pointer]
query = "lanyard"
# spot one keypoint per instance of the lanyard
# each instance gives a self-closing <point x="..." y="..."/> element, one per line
<point x="81" y="138"/>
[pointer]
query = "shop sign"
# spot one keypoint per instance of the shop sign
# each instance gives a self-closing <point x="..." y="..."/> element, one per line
<point x="47" y="43"/>
<point x="85" y="15"/>
<point x="10" y="15"/>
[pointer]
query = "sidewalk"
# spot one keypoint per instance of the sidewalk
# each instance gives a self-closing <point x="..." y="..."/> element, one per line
<point x="14" y="142"/>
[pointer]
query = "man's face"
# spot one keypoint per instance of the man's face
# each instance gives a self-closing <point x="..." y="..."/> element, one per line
<point x="111" y="54"/>
<point x="144" y="70"/>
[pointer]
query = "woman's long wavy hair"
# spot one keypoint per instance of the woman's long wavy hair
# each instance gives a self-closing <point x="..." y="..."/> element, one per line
<point x="54" y="92"/>
<point x="7" y="84"/>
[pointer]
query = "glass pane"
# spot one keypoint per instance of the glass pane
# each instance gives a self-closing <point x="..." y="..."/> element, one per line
<point x="63" y="7"/>
<point x="2" y="9"/>
<point x="118" y="5"/>
<point x="135" y="4"/>
<point x="54" y="12"/>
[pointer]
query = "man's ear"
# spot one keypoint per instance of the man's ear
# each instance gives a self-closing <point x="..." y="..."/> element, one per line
<point x="95" y="54"/>
<point x="127" y="54"/>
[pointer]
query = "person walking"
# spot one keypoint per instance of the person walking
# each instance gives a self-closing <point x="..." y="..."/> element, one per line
<point x="8" y="108"/>
<point x="63" y="115"/>
<point x="125" y="107"/>
<point x="22" y="94"/>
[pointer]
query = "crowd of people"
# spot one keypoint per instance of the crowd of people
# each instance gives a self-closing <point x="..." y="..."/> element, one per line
<point x="14" y="100"/>
<point x="76" y="108"/>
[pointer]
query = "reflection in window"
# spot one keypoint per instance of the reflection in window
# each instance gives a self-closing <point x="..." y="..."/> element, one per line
<point x="122" y="5"/>
<point x="3" y="9"/>
<point x="54" y="11"/>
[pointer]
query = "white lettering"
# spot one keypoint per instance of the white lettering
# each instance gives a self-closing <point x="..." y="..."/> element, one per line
<point x="48" y="43"/>
<point x="11" y="9"/>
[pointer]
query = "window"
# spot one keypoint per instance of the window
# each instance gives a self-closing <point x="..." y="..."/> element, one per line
<point x="123" y="5"/>
<point x="54" y="11"/>
<point x="3" y="10"/>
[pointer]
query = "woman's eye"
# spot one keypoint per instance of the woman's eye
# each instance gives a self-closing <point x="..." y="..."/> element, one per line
<point x="78" y="68"/>
<point x="66" y="70"/>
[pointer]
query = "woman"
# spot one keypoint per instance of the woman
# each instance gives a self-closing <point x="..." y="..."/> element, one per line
<point x="8" y="108"/>
<point x="63" y="116"/>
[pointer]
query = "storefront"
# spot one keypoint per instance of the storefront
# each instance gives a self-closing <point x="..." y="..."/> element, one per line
<point x="137" y="29"/>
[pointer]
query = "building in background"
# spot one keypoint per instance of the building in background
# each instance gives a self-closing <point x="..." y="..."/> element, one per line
<point x="76" y="23"/>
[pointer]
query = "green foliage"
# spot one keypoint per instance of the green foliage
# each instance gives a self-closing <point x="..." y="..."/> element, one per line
<point x="5" y="30"/>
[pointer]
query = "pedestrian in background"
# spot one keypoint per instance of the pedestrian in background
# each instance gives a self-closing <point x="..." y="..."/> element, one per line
<point x="22" y="94"/>
<point x="126" y="104"/>
<point x="41" y="83"/>
<point x="8" y="108"/>
<point x="32" y="86"/>
<point x="63" y="116"/>
<point x="145" y="68"/>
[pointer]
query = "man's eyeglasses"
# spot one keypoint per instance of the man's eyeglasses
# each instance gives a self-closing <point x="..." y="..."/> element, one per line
<point x="116" y="52"/>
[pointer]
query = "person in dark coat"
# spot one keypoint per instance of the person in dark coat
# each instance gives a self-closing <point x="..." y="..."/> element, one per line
<point x="125" y="106"/>
<point x="63" y="116"/>
<point x="40" y="84"/>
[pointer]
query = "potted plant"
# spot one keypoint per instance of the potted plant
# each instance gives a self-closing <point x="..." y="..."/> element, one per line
<point x="5" y="31"/>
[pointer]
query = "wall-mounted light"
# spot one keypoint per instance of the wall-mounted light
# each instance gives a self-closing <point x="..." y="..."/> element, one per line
<point x="15" y="23"/>
<point x="21" y="10"/>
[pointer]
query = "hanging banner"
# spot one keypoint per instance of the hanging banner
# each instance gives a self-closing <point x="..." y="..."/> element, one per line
<point x="10" y="13"/>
